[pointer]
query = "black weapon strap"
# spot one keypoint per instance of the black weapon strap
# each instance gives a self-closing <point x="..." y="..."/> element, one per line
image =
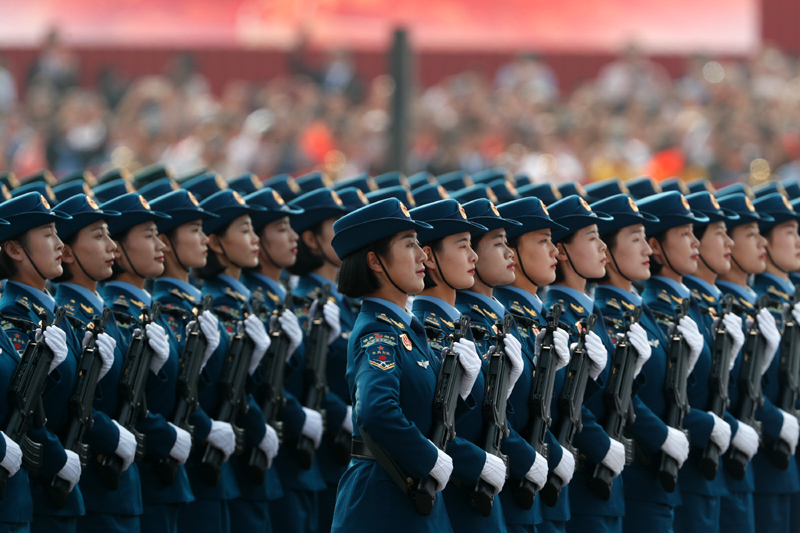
<point x="387" y="463"/>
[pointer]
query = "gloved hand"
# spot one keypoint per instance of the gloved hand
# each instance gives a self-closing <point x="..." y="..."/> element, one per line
<point x="312" y="427"/>
<point x="638" y="339"/>
<point x="209" y="326"/>
<point x="471" y="363"/>
<point x="769" y="330"/>
<point x="105" y="347"/>
<point x="597" y="353"/>
<point x="745" y="440"/>
<point x="494" y="472"/>
<point x="254" y="329"/>
<point x="720" y="433"/>
<point x="560" y="343"/>
<point x="126" y="446"/>
<point x="442" y="469"/>
<point x="538" y="472"/>
<point x="733" y="327"/>
<point x="789" y="430"/>
<point x="694" y="339"/>
<point x="330" y="313"/>
<point x="157" y="339"/>
<point x="222" y="438"/>
<point x="269" y="445"/>
<point x="565" y="468"/>
<point x="13" y="459"/>
<point x="615" y="457"/>
<point x="676" y="445"/>
<point x="183" y="444"/>
<point x="71" y="471"/>
<point x="347" y="423"/>
<point x="514" y="352"/>
<point x="291" y="326"/>
<point x="55" y="339"/>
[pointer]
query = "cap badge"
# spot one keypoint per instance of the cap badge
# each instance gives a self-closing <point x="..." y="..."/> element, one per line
<point x="685" y="203"/>
<point x="193" y="199"/>
<point x="404" y="209"/>
<point x="749" y="203"/>
<point x="44" y="202"/>
<point x="277" y="197"/>
<point x="336" y="199"/>
<point x="238" y="198"/>
<point x="92" y="203"/>
<point x="584" y="203"/>
<point x="144" y="202"/>
<point x="494" y="209"/>
<point x="463" y="213"/>
<point x="544" y="208"/>
<point x="714" y="202"/>
<point x="362" y="197"/>
<point x="633" y="205"/>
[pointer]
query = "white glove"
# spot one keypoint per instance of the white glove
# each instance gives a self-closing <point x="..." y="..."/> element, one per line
<point x="183" y="444"/>
<point x="269" y="445"/>
<point x="538" y="472"/>
<point x="733" y="327"/>
<point x="514" y="352"/>
<point x="55" y="339"/>
<point x="330" y="313"/>
<point x="13" y="459"/>
<point x="720" y="433"/>
<point x="71" y="471"/>
<point x="126" y="446"/>
<point x="693" y="338"/>
<point x="494" y="472"/>
<point x="222" y="437"/>
<point x="157" y="339"/>
<point x="638" y="339"/>
<point x="597" y="353"/>
<point x="312" y="427"/>
<point x="561" y="342"/>
<point x="769" y="330"/>
<point x="745" y="440"/>
<point x="442" y="469"/>
<point x="291" y="326"/>
<point x="254" y="329"/>
<point x="789" y="430"/>
<point x="565" y="468"/>
<point x="676" y="445"/>
<point x="209" y="326"/>
<point x="347" y="423"/>
<point x="471" y="363"/>
<point x="105" y="347"/>
<point x="615" y="457"/>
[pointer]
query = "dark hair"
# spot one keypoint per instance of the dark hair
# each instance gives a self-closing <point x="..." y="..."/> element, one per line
<point x="560" y="266"/>
<point x="699" y="231"/>
<point x="213" y="266"/>
<point x="116" y="270"/>
<point x="655" y="266"/>
<point x="355" y="278"/>
<point x="8" y="267"/>
<point x="436" y="246"/>
<point x="307" y="260"/>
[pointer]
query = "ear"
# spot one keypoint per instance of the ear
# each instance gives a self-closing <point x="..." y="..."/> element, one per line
<point x="310" y="241"/>
<point x="14" y="250"/>
<point x="373" y="263"/>
<point x="213" y="243"/>
<point x="429" y="263"/>
<point x="561" y="255"/>
<point x="165" y="241"/>
<point x="658" y="251"/>
<point x="67" y="255"/>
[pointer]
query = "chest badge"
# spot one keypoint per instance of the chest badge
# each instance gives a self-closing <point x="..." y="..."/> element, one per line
<point x="424" y="364"/>
<point x="406" y="341"/>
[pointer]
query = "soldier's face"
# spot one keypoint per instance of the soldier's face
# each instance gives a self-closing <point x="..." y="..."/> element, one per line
<point x="238" y="245"/>
<point x="456" y="262"/>
<point x="783" y="244"/>
<point x="749" y="248"/>
<point x="404" y="263"/>
<point x="190" y="245"/>
<point x="679" y="251"/>
<point x="495" y="259"/>
<point x="537" y="254"/>
<point x="715" y="248"/>
<point x="632" y="253"/>
<point x="143" y="248"/>
<point x="279" y="244"/>
<point x="94" y="248"/>
<point x="587" y="253"/>
<point x="45" y="249"/>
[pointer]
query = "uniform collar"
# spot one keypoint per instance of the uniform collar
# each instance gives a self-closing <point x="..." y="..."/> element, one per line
<point x="40" y="297"/>
<point x="322" y="281"/>
<point x="404" y="316"/>
<point x="582" y="299"/>
<point x="622" y="294"/>
<point x="183" y="286"/>
<point x="678" y="288"/>
<point x="271" y="284"/>
<point x="448" y="310"/>
<point x="784" y="285"/>
<point x="136" y="292"/>
<point x="745" y="293"/>
<point x="495" y="306"/>
<point x="528" y="298"/>
<point x="91" y="297"/>
<point x="703" y="285"/>
<point x="235" y="284"/>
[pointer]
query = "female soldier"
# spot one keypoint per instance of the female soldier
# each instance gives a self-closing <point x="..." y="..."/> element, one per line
<point x="674" y="256"/>
<point x="138" y="256"/>
<point x="648" y="507"/>
<point x="392" y="376"/>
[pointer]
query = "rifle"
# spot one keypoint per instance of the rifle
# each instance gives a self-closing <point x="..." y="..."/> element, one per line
<point x="718" y="385"/>
<point x="314" y="378"/>
<point x="494" y="413"/>
<point x="569" y="407"/>
<point x="133" y="404"/>
<point x="750" y="396"/>
<point x="619" y="410"/>
<point x="270" y="391"/>
<point x="789" y="382"/>
<point x="541" y="397"/>
<point x="232" y="383"/>
<point x="187" y="399"/>
<point x="25" y="396"/>
<point x="443" y="429"/>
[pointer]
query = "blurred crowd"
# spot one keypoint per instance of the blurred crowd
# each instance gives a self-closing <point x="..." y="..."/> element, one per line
<point x="724" y="119"/>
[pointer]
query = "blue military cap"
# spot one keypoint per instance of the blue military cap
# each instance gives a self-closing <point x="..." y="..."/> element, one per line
<point x="286" y="186"/>
<point x="674" y="184"/>
<point x="245" y="184"/>
<point x="318" y="206"/>
<point x="421" y="179"/>
<point x="153" y="190"/>
<point x="736" y="188"/>
<point x="504" y="191"/>
<point x="313" y="181"/>
<point x="476" y="192"/>
<point x="70" y="189"/>
<point x="792" y="188"/>
<point x="192" y="174"/>
<point x="455" y="181"/>
<point x="642" y="187"/>
<point x="433" y="192"/>
<point x="522" y="180"/>
<point x="353" y="198"/>
<point x="274" y="207"/>
<point x="392" y="179"/>
<point x="672" y="209"/>
<point x="573" y="213"/>
<point x="83" y="211"/>
<point x="704" y="202"/>
<point x="606" y="188"/>
<point x="777" y="206"/>
<point x="182" y="207"/>
<point x="136" y="211"/>
<point x="770" y="187"/>
<point x="447" y="217"/>
<point x="743" y="207"/>
<point x="623" y="212"/>
<point x="113" y="189"/>
<point x="151" y="173"/>
<point x="205" y="185"/>
<point x="485" y="213"/>
<point x="113" y="175"/>
<point x="228" y="205"/>
<point x="493" y="174"/>
<point x="362" y="181"/>
<point x="9" y="179"/>
<point x="39" y="187"/>
<point x="572" y="188"/>
<point x="41" y="176"/>
<point x="79" y="175"/>
<point x="399" y="192"/>
<point x="701" y="184"/>
<point x="546" y="192"/>
<point x="372" y="223"/>
<point x="531" y="213"/>
<point x="26" y="212"/>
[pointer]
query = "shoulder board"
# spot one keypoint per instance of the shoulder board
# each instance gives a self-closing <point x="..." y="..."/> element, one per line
<point x="664" y="295"/>
<point x="577" y="308"/>
<point x="628" y="306"/>
<point x="490" y="314"/>
<point x="676" y="299"/>
<point x="477" y="309"/>
<point x="448" y="323"/>
<point x="272" y="296"/>
<point x="779" y="293"/>
<point x="121" y="301"/>
<point x="23" y="301"/>
<point x="530" y="311"/>
<point x="710" y="299"/>
<point x="137" y="303"/>
<point x="431" y="319"/>
<point x="613" y="303"/>
<point x="383" y="318"/>
<point x="516" y="306"/>
<point x="87" y="309"/>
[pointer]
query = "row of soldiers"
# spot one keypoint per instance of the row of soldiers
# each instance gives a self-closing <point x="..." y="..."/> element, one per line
<point x="628" y="395"/>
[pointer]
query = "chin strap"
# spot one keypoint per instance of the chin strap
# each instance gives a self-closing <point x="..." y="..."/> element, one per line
<point x="31" y="261"/>
<point x="709" y="266"/>
<point x="269" y="257"/>
<point x="441" y="272"/>
<point x="573" y="264"/>
<point x="124" y="251"/>
<point x="388" y="276"/>
<point x="771" y="260"/>
<point x="522" y="267"/>
<point x="324" y="255"/>
<point x="228" y="258"/>
<point x="616" y="265"/>
<point x="80" y="265"/>
<point x="175" y="252"/>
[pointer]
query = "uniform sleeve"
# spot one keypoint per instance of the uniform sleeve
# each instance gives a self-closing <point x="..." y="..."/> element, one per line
<point x="699" y="423"/>
<point x="521" y="454"/>
<point x="53" y="455"/>
<point x="554" y="451"/>
<point x="160" y="437"/>
<point x="292" y="416"/>
<point x="468" y="460"/>
<point x="201" y="424"/>
<point x="103" y="437"/>
<point x="253" y="423"/>
<point x="592" y="440"/>
<point x="648" y="429"/>
<point x="771" y="420"/>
